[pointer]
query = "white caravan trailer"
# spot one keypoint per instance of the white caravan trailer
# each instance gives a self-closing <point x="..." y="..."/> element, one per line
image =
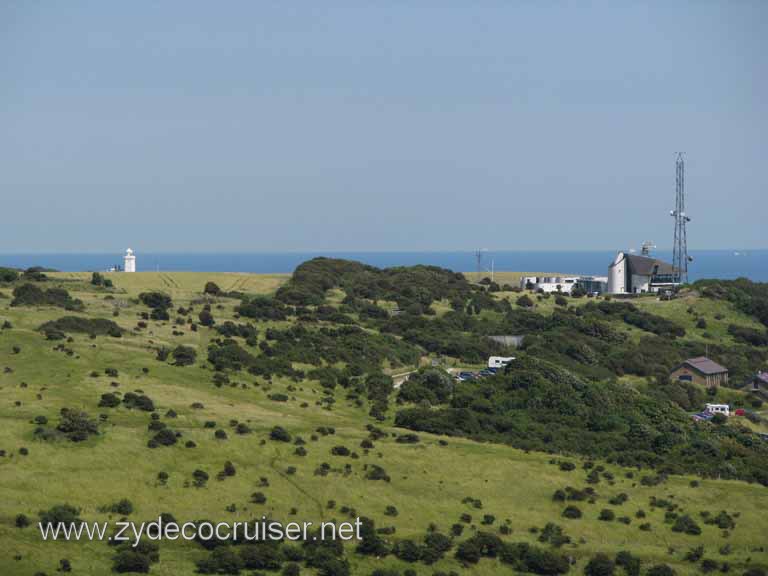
<point x="499" y="361"/>
<point x="719" y="409"/>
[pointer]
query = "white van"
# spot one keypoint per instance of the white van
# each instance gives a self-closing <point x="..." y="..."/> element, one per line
<point x="499" y="361"/>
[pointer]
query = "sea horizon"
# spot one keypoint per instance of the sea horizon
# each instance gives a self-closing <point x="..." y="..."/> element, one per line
<point x="720" y="263"/>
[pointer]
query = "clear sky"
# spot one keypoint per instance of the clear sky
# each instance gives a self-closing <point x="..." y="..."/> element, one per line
<point x="389" y="125"/>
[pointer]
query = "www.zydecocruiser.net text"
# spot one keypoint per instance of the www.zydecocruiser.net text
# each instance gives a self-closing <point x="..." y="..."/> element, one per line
<point x="255" y="530"/>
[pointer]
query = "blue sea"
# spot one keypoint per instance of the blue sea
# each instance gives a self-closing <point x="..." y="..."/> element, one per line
<point x="725" y="264"/>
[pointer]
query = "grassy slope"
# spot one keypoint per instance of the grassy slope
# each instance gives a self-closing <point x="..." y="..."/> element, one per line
<point x="428" y="480"/>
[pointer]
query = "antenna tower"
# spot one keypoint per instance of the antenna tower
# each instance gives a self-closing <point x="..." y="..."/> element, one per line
<point x="680" y="256"/>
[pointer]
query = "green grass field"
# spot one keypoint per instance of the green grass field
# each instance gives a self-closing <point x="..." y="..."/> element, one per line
<point x="429" y="480"/>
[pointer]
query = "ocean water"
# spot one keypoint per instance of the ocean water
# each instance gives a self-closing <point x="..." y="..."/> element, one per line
<point x="725" y="264"/>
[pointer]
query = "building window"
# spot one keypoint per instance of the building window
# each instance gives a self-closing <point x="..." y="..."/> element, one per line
<point x="685" y="378"/>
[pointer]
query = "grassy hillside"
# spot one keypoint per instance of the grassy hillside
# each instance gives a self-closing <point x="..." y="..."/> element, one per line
<point x="181" y="284"/>
<point x="433" y="481"/>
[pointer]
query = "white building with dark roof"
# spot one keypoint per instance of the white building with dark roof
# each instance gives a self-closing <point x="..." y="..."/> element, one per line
<point x="635" y="274"/>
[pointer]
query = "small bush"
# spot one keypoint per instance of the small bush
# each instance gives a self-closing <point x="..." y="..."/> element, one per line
<point x="200" y="477"/>
<point x="660" y="570"/>
<point x="123" y="506"/>
<point x="109" y="400"/>
<point x="258" y="498"/>
<point x="600" y="565"/>
<point x="165" y="437"/>
<point x="572" y="512"/>
<point x="184" y="356"/>
<point x="687" y="525"/>
<point x="524" y="301"/>
<point x="280" y="434"/>
<point x="606" y="515"/>
<point x="76" y="426"/>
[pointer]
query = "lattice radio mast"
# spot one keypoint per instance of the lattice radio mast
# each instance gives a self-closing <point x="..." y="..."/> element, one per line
<point x="680" y="256"/>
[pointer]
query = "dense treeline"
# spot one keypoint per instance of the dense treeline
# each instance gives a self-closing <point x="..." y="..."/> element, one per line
<point x="350" y="345"/>
<point x="31" y="295"/>
<point x="263" y="308"/>
<point x="8" y="275"/>
<point x="630" y="314"/>
<point x="537" y="405"/>
<point x="33" y="274"/>
<point x="584" y="341"/>
<point x="79" y="324"/>
<point x="749" y="297"/>
<point x="410" y="287"/>
<point x="453" y="334"/>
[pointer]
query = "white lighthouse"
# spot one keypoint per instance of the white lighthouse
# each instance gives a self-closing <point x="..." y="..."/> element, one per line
<point x="129" y="261"/>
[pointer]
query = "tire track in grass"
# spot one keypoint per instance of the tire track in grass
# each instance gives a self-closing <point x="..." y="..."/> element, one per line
<point x="292" y="482"/>
<point x="232" y="286"/>
<point x="171" y="281"/>
<point x="239" y="285"/>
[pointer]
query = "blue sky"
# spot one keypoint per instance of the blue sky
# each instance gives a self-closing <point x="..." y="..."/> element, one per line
<point x="258" y="126"/>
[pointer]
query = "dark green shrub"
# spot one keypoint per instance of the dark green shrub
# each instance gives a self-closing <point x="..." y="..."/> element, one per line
<point x="76" y="425"/>
<point x="184" y="356"/>
<point x="600" y="565"/>
<point x="128" y="560"/>
<point x="206" y="318"/>
<point x="222" y="560"/>
<point x="280" y="434"/>
<point x="258" y="498"/>
<point x="524" y="301"/>
<point x="630" y="563"/>
<point x="572" y="512"/>
<point x="687" y="525"/>
<point x="60" y="514"/>
<point x="123" y="506"/>
<point x="660" y="570"/>
<point x="165" y="437"/>
<point x="606" y="515"/>
<point x="138" y="401"/>
<point x="200" y="477"/>
<point x="156" y="300"/>
<point x="109" y="400"/>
